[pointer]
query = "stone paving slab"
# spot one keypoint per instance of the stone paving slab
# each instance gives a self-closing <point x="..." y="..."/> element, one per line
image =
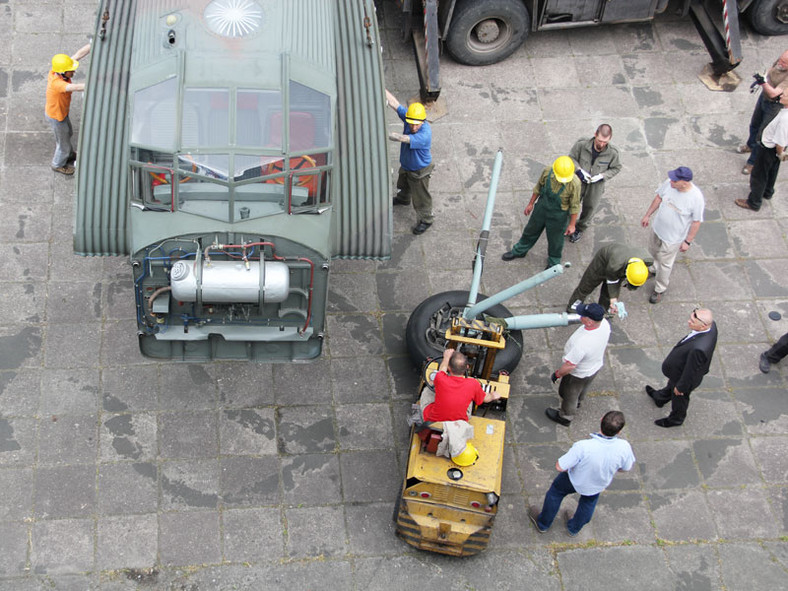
<point x="121" y="473"/>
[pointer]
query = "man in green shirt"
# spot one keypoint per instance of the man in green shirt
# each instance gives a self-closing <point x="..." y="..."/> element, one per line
<point x="555" y="205"/>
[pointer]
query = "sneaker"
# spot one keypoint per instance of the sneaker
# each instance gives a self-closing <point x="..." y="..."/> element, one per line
<point x="655" y="297"/>
<point x="66" y="170"/>
<point x="743" y="149"/>
<point x="572" y="308"/>
<point x="747" y="169"/>
<point x="575" y="236"/>
<point x="764" y="364"/>
<point x="533" y="515"/>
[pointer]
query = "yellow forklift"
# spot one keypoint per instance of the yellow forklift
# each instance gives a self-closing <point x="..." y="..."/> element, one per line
<point x="446" y="507"/>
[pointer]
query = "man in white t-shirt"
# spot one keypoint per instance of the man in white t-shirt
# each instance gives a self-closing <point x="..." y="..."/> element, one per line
<point x="584" y="355"/>
<point x="587" y="468"/>
<point x="679" y="208"/>
<point x="771" y="152"/>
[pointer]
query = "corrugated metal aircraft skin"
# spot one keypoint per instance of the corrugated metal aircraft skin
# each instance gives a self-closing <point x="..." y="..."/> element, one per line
<point x="363" y="227"/>
<point x="362" y="211"/>
<point x="101" y="212"/>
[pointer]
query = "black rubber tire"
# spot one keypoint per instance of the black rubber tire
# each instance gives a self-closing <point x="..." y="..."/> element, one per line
<point x="420" y="348"/>
<point x="463" y="43"/>
<point x="769" y="17"/>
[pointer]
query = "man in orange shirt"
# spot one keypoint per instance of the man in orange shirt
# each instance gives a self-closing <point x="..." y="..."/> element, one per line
<point x="58" y="101"/>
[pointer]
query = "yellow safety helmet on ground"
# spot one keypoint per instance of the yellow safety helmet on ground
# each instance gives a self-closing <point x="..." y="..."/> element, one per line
<point x="61" y="63"/>
<point x="564" y="169"/>
<point x="637" y="272"/>
<point x="416" y="114"/>
<point x="466" y="457"/>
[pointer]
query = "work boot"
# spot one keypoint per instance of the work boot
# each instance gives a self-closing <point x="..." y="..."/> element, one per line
<point x="66" y="170"/>
<point x="420" y="228"/>
<point x="764" y="364"/>
<point x="655" y="297"/>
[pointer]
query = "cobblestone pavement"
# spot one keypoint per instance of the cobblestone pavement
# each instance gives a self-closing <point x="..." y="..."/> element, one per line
<point x="120" y="473"/>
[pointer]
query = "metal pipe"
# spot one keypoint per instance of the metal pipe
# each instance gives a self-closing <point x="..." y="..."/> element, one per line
<point x="481" y="247"/>
<point x="541" y="321"/>
<point x="475" y="310"/>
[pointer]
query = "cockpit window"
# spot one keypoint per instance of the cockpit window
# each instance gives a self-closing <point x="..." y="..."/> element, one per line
<point x="154" y="120"/>
<point x="256" y="123"/>
<point x="310" y="118"/>
<point x="206" y="118"/>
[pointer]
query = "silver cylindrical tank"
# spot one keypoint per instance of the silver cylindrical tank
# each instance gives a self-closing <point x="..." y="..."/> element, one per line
<point x="231" y="282"/>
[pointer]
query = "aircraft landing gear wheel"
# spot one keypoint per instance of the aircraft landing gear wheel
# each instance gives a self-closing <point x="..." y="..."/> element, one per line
<point x="424" y="334"/>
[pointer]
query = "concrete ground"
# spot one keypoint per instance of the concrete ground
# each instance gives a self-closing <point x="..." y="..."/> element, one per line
<point x="120" y="473"/>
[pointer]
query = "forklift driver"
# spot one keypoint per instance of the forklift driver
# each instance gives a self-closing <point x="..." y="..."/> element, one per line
<point x="453" y="393"/>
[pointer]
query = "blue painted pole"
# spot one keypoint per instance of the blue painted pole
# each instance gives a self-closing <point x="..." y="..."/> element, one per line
<point x="475" y="310"/>
<point x="541" y="321"/>
<point x="484" y="236"/>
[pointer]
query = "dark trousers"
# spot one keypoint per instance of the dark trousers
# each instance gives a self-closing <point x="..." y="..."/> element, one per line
<point x="762" y="114"/>
<point x="553" y="223"/>
<point x="414" y="186"/>
<point x="593" y="276"/>
<point x="561" y="487"/>
<point x="778" y="350"/>
<point x="763" y="176"/>
<point x="678" y="404"/>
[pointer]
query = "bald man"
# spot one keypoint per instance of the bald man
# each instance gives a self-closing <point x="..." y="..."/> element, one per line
<point x="685" y="366"/>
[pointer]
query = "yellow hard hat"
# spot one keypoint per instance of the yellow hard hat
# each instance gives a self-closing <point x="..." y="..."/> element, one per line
<point x="466" y="457"/>
<point x="416" y="114"/>
<point x="62" y="63"/>
<point x="637" y="272"/>
<point x="564" y="169"/>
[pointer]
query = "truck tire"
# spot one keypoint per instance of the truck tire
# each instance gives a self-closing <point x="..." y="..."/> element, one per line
<point x="769" y="17"/>
<point x="428" y="323"/>
<point x="484" y="32"/>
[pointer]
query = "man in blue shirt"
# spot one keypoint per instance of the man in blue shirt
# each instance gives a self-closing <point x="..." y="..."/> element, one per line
<point x="415" y="158"/>
<point x="587" y="469"/>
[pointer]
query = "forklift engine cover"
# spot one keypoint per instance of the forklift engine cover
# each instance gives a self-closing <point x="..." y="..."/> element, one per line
<point x="231" y="281"/>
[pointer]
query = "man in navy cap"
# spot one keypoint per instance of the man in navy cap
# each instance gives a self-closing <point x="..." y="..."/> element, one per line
<point x="679" y="208"/>
<point x="584" y="355"/>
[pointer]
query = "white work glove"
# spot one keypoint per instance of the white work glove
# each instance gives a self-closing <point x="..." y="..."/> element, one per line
<point x="622" y="311"/>
<point x="596" y="178"/>
<point x="584" y="176"/>
<point x="399" y="137"/>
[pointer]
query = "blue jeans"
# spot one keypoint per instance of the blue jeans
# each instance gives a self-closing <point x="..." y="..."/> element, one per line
<point x="561" y="487"/>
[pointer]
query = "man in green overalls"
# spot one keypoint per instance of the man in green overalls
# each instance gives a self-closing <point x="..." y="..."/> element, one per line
<point x="555" y="204"/>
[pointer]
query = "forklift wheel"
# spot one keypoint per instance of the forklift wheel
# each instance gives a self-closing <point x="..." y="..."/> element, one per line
<point x="427" y="325"/>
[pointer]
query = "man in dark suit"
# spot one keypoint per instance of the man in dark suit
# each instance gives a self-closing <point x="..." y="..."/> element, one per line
<point x="685" y="367"/>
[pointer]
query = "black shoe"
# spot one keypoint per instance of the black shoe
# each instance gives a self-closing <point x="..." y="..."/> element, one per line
<point x="653" y="395"/>
<point x="509" y="255"/>
<point x="553" y="415"/>
<point x="667" y="423"/>
<point x="764" y="364"/>
<point x="575" y="236"/>
<point x="533" y="515"/>
<point x="655" y="297"/>
<point x="420" y="228"/>
<point x="398" y="201"/>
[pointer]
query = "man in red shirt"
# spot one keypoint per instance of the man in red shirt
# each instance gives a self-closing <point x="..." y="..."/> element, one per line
<point x="58" y="102"/>
<point x="453" y="392"/>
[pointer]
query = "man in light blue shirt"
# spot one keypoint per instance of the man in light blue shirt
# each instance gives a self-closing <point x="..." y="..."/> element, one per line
<point x="587" y="469"/>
